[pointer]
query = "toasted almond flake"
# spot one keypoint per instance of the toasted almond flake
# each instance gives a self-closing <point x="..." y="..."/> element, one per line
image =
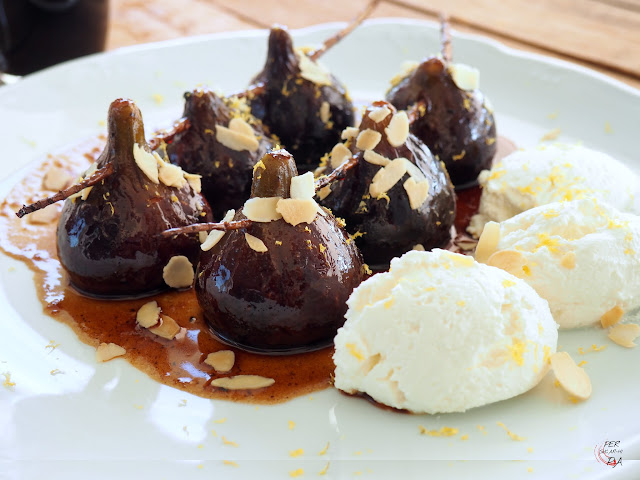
<point x="464" y="76"/>
<point x="398" y="129"/>
<point x="510" y="261"/>
<point x="568" y="260"/>
<point x="349" y="132"/>
<point x="324" y="192"/>
<point x="146" y="162"/>
<point x="262" y="209"/>
<point x="243" y="382"/>
<point x="56" y="179"/>
<point x="612" y="316"/>
<point x="84" y="194"/>
<point x="178" y="272"/>
<point x="202" y="236"/>
<point x="368" y="139"/>
<point x="303" y="186"/>
<point x="571" y="377"/>
<point x="169" y="174"/>
<point x="419" y="247"/>
<point x="297" y="210"/>
<point x="414" y="171"/>
<point x="418" y="192"/>
<point x="488" y="242"/>
<point x="325" y="112"/>
<point x="108" y="351"/>
<point x="387" y="177"/>
<point x="625" y="334"/>
<point x="375" y="158"/>
<point x="312" y="71"/>
<point x="378" y="114"/>
<point x="214" y="236"/>
<point x="43" y="216"/>
<point x="222" y="361"/>
<point x="255" y="243"/>
<point x="239" y="125"/>
<point x="149" y="314"/>
<point x="195" y="181"/>
<point x="235" y="140"/>
<point x="339" y="153"/>
<point x="168" y="328"/>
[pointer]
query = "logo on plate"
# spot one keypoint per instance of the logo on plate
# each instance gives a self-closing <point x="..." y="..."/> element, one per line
<point x="609" y="453"/>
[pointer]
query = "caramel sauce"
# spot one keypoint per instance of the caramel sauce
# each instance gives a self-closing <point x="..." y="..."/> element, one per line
<point x="177" y="363"/>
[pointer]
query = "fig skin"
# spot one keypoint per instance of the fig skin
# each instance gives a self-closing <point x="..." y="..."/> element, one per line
<point x="290" y="105"/>
<point x="226" y="173"/>
<point x="289" y="299"/>
<point x="391" y="228"/>
<point x="108" y="243"/>
<point x="448" y="119"/>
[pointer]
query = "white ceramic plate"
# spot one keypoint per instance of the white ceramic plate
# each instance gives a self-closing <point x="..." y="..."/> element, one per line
<point x="109" y="420"/>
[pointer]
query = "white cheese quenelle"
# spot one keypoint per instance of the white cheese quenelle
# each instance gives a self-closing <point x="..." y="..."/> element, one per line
<point x="583" y="257"/>
<point x="442" y="333"/>
<point x="551" y="173"/>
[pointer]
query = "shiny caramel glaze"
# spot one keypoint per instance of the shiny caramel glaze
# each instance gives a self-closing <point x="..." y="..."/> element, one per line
<point x="226" y="173"/>
<point x="291" y="297"/>
<point x="290" y="105"/>
<point x="455" y="124"/>
<point x="389" y="226"/>
<point x="109" y="242"/>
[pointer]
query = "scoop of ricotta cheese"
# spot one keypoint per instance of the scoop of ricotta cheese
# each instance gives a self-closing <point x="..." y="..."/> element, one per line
<point x="583" y="257"/>
<point x="551" y="173"/>
<point x="442" y="333"/>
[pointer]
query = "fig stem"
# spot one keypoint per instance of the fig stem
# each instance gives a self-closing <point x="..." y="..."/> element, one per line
<point x="338" y="174"/>
<point x="206" y="227"/>
<point x="98" y="176"/>
<point x="445" y="38"/>
<point x="331" y="41"/>
<point x="167" y="136"/>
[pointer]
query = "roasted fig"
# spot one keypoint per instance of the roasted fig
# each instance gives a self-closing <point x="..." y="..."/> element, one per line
<point x="222" y="144"/>
<point x="280" y="285"/>
<point x="299" y="100"/>
<point x="397" y="195"/>
<point x="449" y="114"/>
<point x="106" y="235"/>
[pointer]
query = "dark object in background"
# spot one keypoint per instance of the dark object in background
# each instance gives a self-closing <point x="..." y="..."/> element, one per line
<point x="35" y="34"/>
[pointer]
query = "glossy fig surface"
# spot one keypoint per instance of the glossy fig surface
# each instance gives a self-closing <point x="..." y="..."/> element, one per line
<point x="456" y="124"/>
<point x="106" y="235"/>
<point x="289" y="293"/>
<point x="300" y="101"/>
<point x="222" y="144"/>
<point x="397" y="195"/>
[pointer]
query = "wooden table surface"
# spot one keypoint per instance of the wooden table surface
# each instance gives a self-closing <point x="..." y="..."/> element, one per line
<point x="600" y="34"/>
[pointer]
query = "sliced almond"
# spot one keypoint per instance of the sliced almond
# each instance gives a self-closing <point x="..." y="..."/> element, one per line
<point x="262" y="209"/>
<point x="303" y="186"/>
<point x="214" y="236"/>
<point x="56" y="179"/>
<point x="625" y="334"/>
<point x="171" y="175"/>
<point x="178" y="272"/>
<point x="168" y="328"/>
<point x="488" y="242"/>
<point x="418" y="192"/>
<point x="571" y="377"/>
<point x="510" y="261"/>
<point x="243" y="382"/>
<point x="194" y="180"/>
<point x="312" y="71"/>
<point x="255" y="243"/>
<point x="368" y="139"/>
<point x="568" y="260"/>
<point x="148" y="315"/>
<point x="398" y="129"/>
<point x="84" y="194"/>
<point x="464" y="76"/>
<point x="297" y="210"/>
<point x="109" y="351"/>
<point x="414" y="171"/>
<point x="324" y="192"/>
<point x="235" y="140"/>
<point x="339" y="153"/>
<point x="239" y="125"/>
<point x="349" y="132"/>
<point x="146" y="162"/>
<point x="43" y="216"/>
<point x="387" y="177"/>
<point x="378" y="114"/>
<point x="612" y="316"/>
<point x="419" y="247"/>
<point x="375" y="158"/>
<point x="325" y="112"/>
<point x="222" y="361"/>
